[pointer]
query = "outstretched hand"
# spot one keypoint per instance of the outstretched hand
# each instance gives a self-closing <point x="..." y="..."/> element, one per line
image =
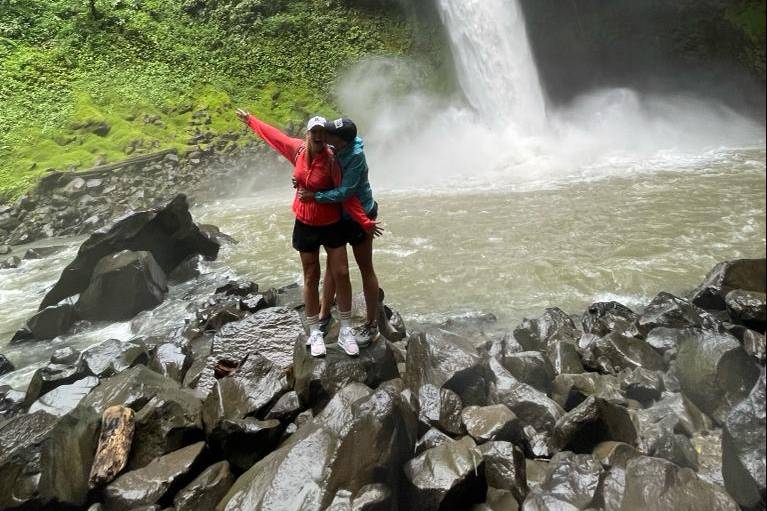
<point x="242" y="114"/>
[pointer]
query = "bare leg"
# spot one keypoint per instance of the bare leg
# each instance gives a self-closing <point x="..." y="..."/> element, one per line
<point x="363" y="254"/>
<point x="311" y="264"/>
<point x="328" y="292"/>
<point x="338" y="264"/>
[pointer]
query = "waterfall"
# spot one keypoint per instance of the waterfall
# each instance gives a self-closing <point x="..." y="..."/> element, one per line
<point x="494" y="62"/>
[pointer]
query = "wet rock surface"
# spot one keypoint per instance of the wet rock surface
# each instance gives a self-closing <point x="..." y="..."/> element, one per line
<point x="747" y="274"/>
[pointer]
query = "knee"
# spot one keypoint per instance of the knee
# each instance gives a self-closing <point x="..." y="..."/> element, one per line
<point x="312" y="275"/>
<point x="340" y="272"/>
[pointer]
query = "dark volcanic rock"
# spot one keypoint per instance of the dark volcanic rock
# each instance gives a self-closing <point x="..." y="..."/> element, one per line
<point x="495" y="422"/>
<point x="286" y="408"/>
<point x="360" y="437"/>
<point x="51" y="376"/>
<point x="553" y="325"/>
<point x="614" y="454"/>
<point x="748" y="274"/>
<point x="243" y="442"/>
<point x="571" y="483"/>
<point x="169" y="360"/>
<point x="440" y="408"/>
<point x="133" y="388"/>
<point x="5" y="365"/>
<point x="122" y="285"/>
<point x="570" y="390"/>
<point x="667" y="310"/>
<point x="448" y="477"/>
<point x="592" y="422"/>
<point x="65" y="398"/>
<point x="50" y="322"/>
<point x="672" y="414"/>
<point x="601" y="318"/>
<point x="564" y="357"/>
<point x="748" y="308"/>
<point x="642" y="385"/>
<point x="664" y="339"/>
<point x="272" y="333"/>
<point x="47" y="460"/>
<point x="431" y="439"/>
<point x="318" y="379"/>
<point x="206" y="490"/>
<point x="615" y="352"/>
<point x="169" y="421"/>
<point x="11" y="402"/>
<point x="505" y="468"/>
<point x="654" y="484"/>
<point x="714" y="371"/>
<point x="168" y="233"/>
<point x="531" y="367"/>
<point x="148" y="485"/>
<point x="743" y="449"/>
<point x="114" y="356"/>
<point x="444" y="359"/>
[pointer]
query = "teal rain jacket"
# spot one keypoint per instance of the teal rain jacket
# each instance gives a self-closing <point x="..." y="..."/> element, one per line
<point x="354" y="179"/>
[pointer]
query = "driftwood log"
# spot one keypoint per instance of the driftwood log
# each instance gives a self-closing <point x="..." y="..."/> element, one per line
<point x="117" y="427"/>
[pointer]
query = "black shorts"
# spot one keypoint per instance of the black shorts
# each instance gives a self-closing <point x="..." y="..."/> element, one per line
<point x="309" y="238"/>
<point x="354" y="234"/>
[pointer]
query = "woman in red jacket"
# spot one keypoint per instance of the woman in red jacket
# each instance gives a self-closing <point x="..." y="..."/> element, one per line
<point x="317" y="224"/>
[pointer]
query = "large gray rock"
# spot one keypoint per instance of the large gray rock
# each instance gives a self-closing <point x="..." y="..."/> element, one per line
<point x="674" y="414"/>
<point x="553" y="325"/>
<point x="570" y="390"/>
<point x="592" y="422"/>
<point x="148" y="485"/>
<point x="114" y="356"/>
<point x="448" y="477"/>
<point x="654" y="484"/>
<point x="714" y="371"/>
<point x="571" y="483"/>
<point x="318" y="379"/>
<point x="51" y="376"/>
<point x="531" y="367"/>
<point x="168" y="234"/>
<point x="747" y="308"/>
<point x="11" y="402"/>
<point x="169" y="360"/>
<point x="327" y="454"/>
<point x="243" y="442"/>
<point x="48" y="323"/>
<point x="5" y="365"/>
<point x="642" y="385"/>
<point x="505" y="468"/>
<point x="615" y="352"/>
<point x="748" y="274"/>
<point x="494" y="422"/>
<point x="440" y="408"/>
<point x="45" y="460"/>
<point x="206" y="490"/>
<point x="65" y="398"/>
<point x="122" y="285"/>
<point x="667" y="310"/>
<point x="444" y="359"/>
<point x="602" y="318"/>
<point x="743" y="449"/>
<point x="133" y="388"/>
<point x="272" y="333"/>
<point x="564" y="357"/>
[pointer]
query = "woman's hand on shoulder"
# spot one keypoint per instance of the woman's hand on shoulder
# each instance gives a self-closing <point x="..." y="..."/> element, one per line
<point x="242" y="114"/>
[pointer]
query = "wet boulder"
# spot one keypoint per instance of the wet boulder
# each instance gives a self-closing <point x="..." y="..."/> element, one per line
<point x="432" y="438"/>
<point x="440" y="408"/>
<point x="655" y="484"/>
<point x="714" y="371"/>
<point x="505" y="468"/>
<point x="564" y="357"/>
<point x="243" y="442"/>
<point x="674" y="414"/>
<point x="570" y="390"/>
<point x="614" y="454"/>
<point x="602" y="318"/>
<point x="169" y="360"/>
<point x="122" y="285"/>
<point x="272" y="333"/>
<point x="326" y="455"/>
<point x="592" y="422"/>
<point x="168" y="234"/>
<point x="642" y="385"/>
<point x="318" y="379"/>
<point x="64" y="398"/>
<point x="447" y="477"/>
<point x="114" y="356"/>
<point x="747" y="274"/>
<point x="11" y="402"/>
<point x="5" y="365"/>
<point x="615" y="352"/>
<point x="664" y="339"/>
<point x="571" y="483"/>
<point x="133" y="388"/>
<point x="170" y="420"/>
<point x="743" y="449"/>
<point x="52" y="375"/>
<point x="287" y="407"/>
<point x="46" y="460"/>
<point x="667" y="310"/>
<point x="48" y="323"/>
<point x="255" y="385"/>
<point x="494" y="422"/>
<point x="373" y="497"/>
<point x="447" y="360"/>
<point x="532" y="368"/>
<point x="157" y="481"/>
<point x="747" y="308"/>
<point x="552" y="325"/>
<point x="206" y="490"/>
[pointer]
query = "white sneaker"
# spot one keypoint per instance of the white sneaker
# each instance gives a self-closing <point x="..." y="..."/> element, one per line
<point x="347" y="342"/>
<point x="316" y="344"/>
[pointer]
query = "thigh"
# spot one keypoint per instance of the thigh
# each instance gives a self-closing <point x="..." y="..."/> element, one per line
<point x="337" y="258"/>
<point x="310" y="261"/>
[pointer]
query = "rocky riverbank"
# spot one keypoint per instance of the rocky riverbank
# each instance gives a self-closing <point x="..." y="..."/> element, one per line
<point x="615" y="409"/>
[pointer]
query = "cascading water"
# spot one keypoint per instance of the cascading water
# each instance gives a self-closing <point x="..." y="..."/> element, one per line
<point x="494" y="62"/>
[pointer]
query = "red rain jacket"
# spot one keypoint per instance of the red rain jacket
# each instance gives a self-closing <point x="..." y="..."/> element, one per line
<point x="324" y="174"/>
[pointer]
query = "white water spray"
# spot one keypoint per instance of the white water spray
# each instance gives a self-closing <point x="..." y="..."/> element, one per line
<point x="494" y="62"/>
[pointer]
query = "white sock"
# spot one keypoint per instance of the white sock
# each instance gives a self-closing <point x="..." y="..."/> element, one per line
<point x="314" y="323"/>
<point x="345" y="318"/>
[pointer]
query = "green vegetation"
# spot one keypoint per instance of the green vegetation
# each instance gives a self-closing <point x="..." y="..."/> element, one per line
<point x="94" y="80"/>
<point x="750" y="17"/>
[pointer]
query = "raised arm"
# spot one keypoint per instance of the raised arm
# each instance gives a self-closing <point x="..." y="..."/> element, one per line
<point x="277" y="140"/>
<point x="350" y="179"/>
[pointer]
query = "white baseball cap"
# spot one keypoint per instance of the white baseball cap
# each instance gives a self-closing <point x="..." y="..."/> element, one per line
<point x="316" y="121"/>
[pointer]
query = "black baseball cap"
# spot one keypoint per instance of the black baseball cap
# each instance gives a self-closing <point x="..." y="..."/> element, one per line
<point x="344" y="129"/>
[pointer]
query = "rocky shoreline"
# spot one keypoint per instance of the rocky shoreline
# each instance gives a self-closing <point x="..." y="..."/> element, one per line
<point x="612" y="409"/>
